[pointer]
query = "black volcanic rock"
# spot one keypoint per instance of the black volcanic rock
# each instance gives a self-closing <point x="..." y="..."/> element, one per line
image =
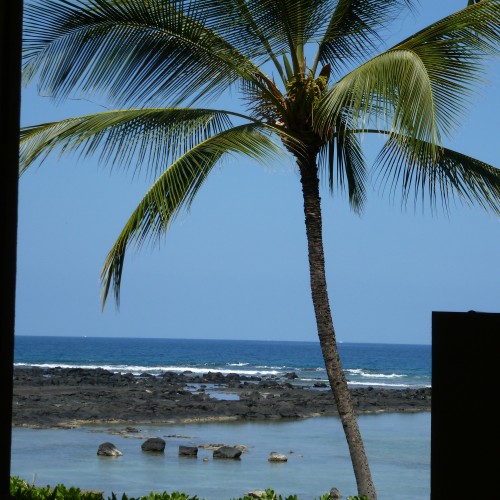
<point x="78" y="396"/>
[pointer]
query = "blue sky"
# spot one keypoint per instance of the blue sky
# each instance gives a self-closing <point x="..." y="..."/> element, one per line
<point x="235" y="266"/>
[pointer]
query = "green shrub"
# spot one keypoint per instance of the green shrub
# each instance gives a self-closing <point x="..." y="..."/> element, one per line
<point x="22" y="490"/>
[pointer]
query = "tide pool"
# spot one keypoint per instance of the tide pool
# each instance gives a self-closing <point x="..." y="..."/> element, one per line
<point x="398" y="447"/>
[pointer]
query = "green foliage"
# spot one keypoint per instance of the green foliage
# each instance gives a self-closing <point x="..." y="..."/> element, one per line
<point x="22" y="490"/>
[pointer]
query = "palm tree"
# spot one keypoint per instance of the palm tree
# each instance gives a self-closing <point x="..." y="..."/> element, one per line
<point x="164" y="57"/>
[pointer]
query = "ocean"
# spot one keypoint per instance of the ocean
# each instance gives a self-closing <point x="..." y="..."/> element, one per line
<point x="395" y="366"/>
<point x="398" y="445"/>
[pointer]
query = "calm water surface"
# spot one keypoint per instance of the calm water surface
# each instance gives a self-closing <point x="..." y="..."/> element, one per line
<point x="398" y="446"/>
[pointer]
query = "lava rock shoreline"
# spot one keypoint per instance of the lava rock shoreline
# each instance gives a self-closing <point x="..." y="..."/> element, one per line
<point x="72" y="397"/>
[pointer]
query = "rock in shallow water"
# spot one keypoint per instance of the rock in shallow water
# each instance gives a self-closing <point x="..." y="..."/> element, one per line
<point x="108" y="450"/>
<point x="277" y="457"/>
<point x="256" y="494"/>
<point x="188" y="451"/>
<point x="230" y="452"/>
<point x="334" y="494"/>
<point x="154" y="444"/>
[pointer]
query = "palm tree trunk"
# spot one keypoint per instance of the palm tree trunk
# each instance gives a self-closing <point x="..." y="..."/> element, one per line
<point x="326" y="332"/>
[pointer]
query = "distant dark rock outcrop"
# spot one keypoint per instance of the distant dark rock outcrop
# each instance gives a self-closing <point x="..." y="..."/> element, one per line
<point x="71" y="397"/>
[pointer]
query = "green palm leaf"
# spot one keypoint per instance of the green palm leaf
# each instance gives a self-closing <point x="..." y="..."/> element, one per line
<point x="455" y="73"/>
<point x="392" y="92"/>
<point x="416" y="88"/>
<point x="292" y="23"/>
<point x="354" y="30"/>
<point x="279" y="26"/>
<point x="451" y="175"/>
<point x="343" y="154"/>
<point x="176" y="187"/>
<point x="241" y="24"/>
<point x="137" y="52"/>
<point x="125" y="138"/>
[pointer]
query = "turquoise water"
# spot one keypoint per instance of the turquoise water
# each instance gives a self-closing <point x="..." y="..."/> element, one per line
<point x="398" y="447"/>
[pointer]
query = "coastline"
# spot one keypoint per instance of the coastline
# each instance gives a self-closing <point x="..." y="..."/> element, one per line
<point x="75" y="397"/>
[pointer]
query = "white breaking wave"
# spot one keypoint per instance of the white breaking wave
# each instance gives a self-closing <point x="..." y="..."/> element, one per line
<point x="361" y="373"/>
<point x="153" y="370"/>
<point x="382" y="384"/>
<point x="366" y="384"/>
<point x="273" y="367"/>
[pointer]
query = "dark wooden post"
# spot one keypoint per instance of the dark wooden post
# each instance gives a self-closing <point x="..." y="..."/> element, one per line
<point x="465" y="421"/>
<point x="10" y="99"/>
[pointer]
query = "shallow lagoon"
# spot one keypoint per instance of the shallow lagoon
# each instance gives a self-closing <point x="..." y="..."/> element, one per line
<point x="398" y="447"/>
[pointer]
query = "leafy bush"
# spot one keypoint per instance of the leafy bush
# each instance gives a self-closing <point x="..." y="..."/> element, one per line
<point x="22" y="490"/>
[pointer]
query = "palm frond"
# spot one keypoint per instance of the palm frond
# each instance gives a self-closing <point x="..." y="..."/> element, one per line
<point x="277" y="27"/>
<point x="342" y="155"/>
<point x="391" y="91"/>
<point x="450" y="176"/>
<point x="298" y="21"/>
<point x="418" y="88"/>
<point x="175" y="189"/>
<point x="125" y="138"/>
<point x="242" y="24"/>
<point x="137" y="52"/>
<point x="453" y="52"/>
<point x="354" y="30"/>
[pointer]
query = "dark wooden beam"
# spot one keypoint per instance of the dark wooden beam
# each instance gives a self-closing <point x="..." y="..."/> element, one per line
<point x="10" y="104"/>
